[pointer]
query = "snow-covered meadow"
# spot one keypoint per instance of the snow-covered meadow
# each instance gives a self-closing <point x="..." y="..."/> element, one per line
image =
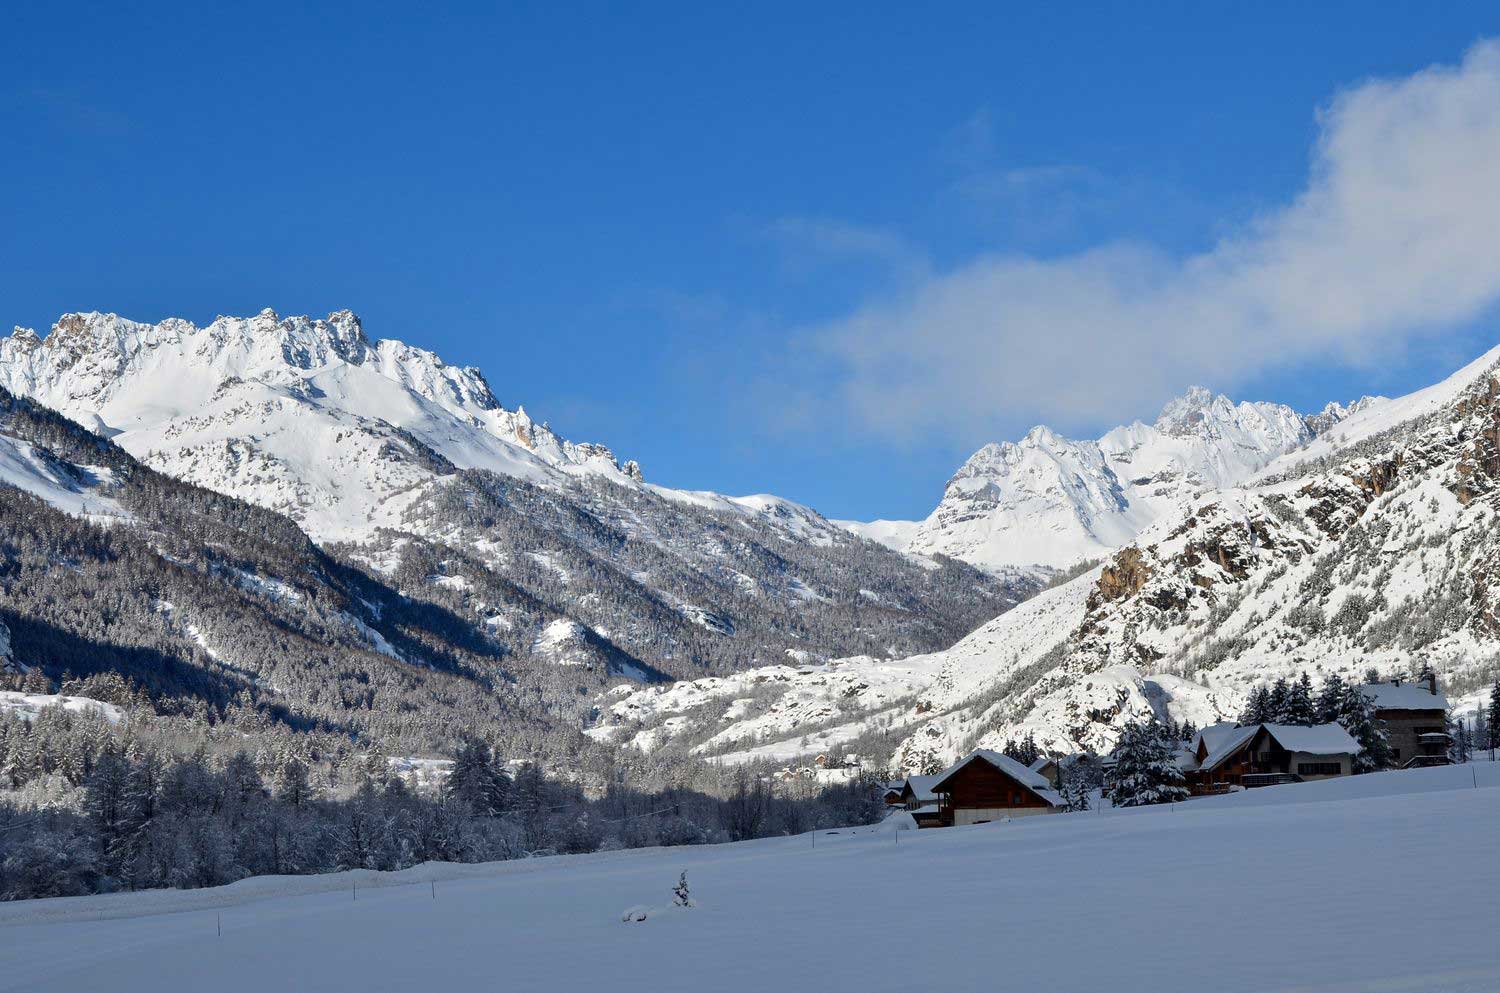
<point x="1377" y="882"/>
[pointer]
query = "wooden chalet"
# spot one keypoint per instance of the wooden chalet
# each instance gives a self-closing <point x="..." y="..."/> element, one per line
<point x="1223" y="756"/>
<point x="987" y="785"/>
<point x="920" y="801"/>
<point x="1416" y="720"/>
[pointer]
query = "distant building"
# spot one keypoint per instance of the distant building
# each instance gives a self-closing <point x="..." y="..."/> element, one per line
<point x="920" y="801"/>
<point x="1416" y="720"/>
<point x="1223" y="756"/>
<point x="891" y="793"/>
<point x="987" y="786"/>
<point x="1047" y="768"/>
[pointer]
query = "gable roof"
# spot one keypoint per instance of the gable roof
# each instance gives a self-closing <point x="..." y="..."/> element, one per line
<point x="1320" y="739"/>
<point x="1226" y="744"/>
<point x="1406" y="696"/>
<point x="921" y="788"/>
<point x="1035" y="782"/>
<point x="1213" y="735"/>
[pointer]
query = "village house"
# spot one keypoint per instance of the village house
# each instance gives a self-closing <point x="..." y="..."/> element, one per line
<point x="920" y="801"/>
<point x="987" y="786"/>
<point x="1416" y="720"/>
<point x="1047" y="768"/>
<point x="1223" y="756"/>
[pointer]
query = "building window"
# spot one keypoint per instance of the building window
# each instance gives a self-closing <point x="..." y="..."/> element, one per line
<point x="1319" y="768"/>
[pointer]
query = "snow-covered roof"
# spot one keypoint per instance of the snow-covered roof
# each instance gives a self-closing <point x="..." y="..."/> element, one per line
<point x="921" y="788"/>
<point x="1226" y="744"/>
<point x="1213" y="735"/>
<point x="1035" y="782"/>
<point x="1041" y="763"/>
<point x="1403" y="696"/>
<point x="1320" y="739"/>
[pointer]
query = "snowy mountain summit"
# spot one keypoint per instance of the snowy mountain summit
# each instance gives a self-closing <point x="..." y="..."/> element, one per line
<point x="306" y="416"/>
<point x="1052" y="501"/>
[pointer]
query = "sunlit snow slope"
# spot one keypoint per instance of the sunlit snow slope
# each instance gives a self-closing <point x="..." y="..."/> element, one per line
<point x="1147" y="899"/>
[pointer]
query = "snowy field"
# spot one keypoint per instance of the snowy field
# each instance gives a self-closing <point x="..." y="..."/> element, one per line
<point x="1375" y="883"/>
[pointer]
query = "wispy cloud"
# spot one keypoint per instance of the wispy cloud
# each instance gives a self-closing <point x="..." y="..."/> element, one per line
<point x="809" y="243"/>
<point x="1394" y="237"/>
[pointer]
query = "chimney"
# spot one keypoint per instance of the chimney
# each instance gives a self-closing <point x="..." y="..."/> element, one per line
<point x="1430" y="678"/>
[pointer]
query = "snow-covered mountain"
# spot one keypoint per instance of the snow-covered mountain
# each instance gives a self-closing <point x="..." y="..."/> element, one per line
<point x="411" y="469"/>
<point x="1372" y="545"/>
<point x="308" y="417"/>
<point x="1051" y="501"/>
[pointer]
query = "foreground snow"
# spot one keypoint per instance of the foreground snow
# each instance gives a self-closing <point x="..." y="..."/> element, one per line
<point x="1290" y="888"/>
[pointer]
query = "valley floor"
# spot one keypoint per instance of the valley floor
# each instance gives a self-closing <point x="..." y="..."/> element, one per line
<point x="1384" y="882"/>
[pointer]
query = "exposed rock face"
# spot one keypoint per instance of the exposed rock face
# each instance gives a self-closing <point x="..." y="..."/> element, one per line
<point x="1123" y="576"/>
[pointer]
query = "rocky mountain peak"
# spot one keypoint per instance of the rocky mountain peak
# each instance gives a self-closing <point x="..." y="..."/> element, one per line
<point x="1335" y="412"/>
<point x="1187" y="414"/>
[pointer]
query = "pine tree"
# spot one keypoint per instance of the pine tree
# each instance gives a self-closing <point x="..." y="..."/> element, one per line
<point x="1494" y="714"/>
<point x="1330" y="703"/>
<point x="681" y="897"/>
<point x="1257" y="707"/>
<point x="1146" y="770"/>
<point x="291" y="786"/>
<point x="1073" y="787"/>
<point x="1299" y="703"/>
<point x="1357" y="714"/>
<point x="1280" y="699"/>
<point x="476" y="782"/>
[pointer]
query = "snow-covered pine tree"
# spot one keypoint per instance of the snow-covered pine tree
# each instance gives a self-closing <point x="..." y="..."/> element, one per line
<point x="476" y="781"/>
<point x="1300" y="708"/>
<point x="291" y="785"/>
<point x="1280" y="700"/>
<point x="681" y="897"/>
<point x="1024" y="751"/>
<point x="1494" y="714"/>
<point x="1330" y="703"/>
<point x="1146" y="770"/>
<point x="1074" y="788"/>
<point x="1357" y="714"/>
<point x="1257" y="707"/>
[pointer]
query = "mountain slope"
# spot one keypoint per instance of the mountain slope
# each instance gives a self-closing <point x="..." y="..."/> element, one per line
<point x="409" y="471"/>
<point x="1053" y="502"/>
<point x="1372" y="546"/>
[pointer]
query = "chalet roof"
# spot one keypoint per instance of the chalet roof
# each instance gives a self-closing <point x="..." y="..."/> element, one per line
<point x="1226" y="743"/>
<point x="1403" y="696"/>
<point x="1213" y="735"/>
<point x="921" y="788"/>
<point x="1033" y="781"/>
<point x="1041" y="763"/>
<point x="1320" y="739"/>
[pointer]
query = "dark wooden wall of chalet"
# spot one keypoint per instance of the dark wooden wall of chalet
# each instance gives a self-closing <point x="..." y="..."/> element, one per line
<point x="980" y="784"/>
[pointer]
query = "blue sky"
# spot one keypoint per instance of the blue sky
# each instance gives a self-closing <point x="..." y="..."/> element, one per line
<point x="763" y="253"/>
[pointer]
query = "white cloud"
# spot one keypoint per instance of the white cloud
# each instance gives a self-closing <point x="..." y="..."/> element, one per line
<point x="1396" y="236"/>
<point x="809" y="243"/>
